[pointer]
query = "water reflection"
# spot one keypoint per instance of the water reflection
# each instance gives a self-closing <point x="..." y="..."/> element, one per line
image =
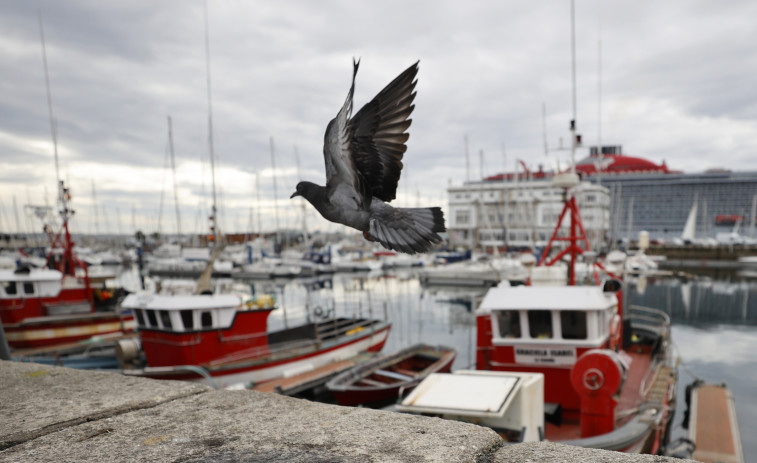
<point x="698" y="302"/>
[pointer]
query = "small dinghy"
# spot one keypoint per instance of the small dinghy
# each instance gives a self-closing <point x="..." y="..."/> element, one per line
<point x="383" y="380"/>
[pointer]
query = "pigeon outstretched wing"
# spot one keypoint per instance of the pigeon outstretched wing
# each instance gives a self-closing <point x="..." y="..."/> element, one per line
<point x="341" y="172"/>
<point x="378" y="132"/>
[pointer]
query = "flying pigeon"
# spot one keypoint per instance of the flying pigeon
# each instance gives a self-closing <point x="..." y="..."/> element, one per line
<point x="363" y="156"/>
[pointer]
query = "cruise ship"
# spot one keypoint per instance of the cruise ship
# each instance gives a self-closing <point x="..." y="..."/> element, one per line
<point x="619" y="196"/>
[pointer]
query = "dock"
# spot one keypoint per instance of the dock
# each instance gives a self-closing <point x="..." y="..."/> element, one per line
<point x="712" y="425"/>
<point x="306" y="380"/>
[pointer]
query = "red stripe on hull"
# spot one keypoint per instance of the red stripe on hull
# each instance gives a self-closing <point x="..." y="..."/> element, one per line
<point x="42" y="332"/>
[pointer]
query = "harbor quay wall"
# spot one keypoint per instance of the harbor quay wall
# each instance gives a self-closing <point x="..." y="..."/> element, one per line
<point x="58" y="414"/>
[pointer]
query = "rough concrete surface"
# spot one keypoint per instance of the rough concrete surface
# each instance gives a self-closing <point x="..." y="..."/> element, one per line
<point x="57" y="414"/>
<point x="550" y="452"/>
<point x="38" y="399"/>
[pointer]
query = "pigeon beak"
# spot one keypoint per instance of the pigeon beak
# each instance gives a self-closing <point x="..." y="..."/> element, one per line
<point x="296" y="193"/>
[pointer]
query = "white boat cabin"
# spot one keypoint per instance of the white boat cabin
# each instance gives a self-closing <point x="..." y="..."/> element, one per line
<point x="184" y="313"/>
<point x="28" y="283"/>
<point x="550" y="316"/>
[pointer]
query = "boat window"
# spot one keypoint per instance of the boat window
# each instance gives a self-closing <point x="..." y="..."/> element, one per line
<point x="28" y="287"/>
<point x="140" y="317"/>
<point x="206" y="321"/>
<point x="186" y="318"/>
<point x="540" y="324"/>
<point x="573" y="324"/>
<point x="509" y="323"/>
<point x="151" y="318"/>
<point x="165" y="319"/>
<point x="9" y="287"/>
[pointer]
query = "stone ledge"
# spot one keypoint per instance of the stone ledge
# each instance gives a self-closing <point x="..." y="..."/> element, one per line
<point x="40" y="399"/>
<point x="57" y="414"/>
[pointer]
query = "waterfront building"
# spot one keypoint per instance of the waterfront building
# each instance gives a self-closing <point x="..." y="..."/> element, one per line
<point x="521" y="213"/>
<point x="619" y="196"/>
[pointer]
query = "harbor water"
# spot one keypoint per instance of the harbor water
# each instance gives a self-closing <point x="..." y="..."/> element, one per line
<point x="713" y="323"/>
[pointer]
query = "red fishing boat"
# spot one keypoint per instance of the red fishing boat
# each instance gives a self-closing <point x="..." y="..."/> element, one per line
<point x="609" y="373"/>
<point x="57" y="304"/>
<point x="609" y="370"/>
<point x="223" y="340"/>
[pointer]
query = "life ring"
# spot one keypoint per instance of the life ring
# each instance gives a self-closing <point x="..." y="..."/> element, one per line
<point x="318" y="311"/>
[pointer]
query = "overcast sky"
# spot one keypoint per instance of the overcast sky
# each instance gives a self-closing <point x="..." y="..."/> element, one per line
<point x="678" y="83"/>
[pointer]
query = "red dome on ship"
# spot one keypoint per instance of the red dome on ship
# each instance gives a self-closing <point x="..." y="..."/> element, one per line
<point x="618" y="164"/>
<point x="610" y="161"/>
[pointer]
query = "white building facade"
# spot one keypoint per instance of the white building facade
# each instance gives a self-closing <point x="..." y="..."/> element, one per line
<point x="522" y="214"/>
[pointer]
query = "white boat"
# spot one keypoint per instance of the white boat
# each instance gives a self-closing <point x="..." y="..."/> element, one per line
<point x="483" y="271"/>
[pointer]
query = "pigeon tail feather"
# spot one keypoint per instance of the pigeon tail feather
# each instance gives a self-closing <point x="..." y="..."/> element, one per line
<point x="408" y="230"/>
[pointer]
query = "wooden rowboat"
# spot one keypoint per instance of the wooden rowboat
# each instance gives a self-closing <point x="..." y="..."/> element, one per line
<point x="383" y="380"/>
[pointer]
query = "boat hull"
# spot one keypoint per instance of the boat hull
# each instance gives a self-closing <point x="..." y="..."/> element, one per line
<point x="257" y="369"/>
<point x="395" y="372"/>
<point x="53" y="330"/>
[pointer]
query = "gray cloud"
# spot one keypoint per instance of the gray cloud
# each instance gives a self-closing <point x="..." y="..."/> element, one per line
<point x="677" y="84"/>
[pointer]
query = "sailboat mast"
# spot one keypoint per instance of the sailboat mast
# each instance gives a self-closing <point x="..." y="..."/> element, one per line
<point x="50" y="104"/>
<point x="213" y="216"/>
<point x="173" y="169"/>
<point x="304" y="210"/>
<point x="67" y="261"/>
<point x="275" y="193"/>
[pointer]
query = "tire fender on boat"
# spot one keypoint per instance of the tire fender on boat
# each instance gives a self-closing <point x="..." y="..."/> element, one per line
<point x="615" y="331"/>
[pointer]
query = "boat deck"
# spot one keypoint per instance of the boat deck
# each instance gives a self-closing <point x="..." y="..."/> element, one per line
<point x="630" y="397"/>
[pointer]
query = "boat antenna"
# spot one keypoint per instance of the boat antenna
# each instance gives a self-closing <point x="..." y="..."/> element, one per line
<point x="599" y="81"/>
<point x="573" y="73"/>
<point x="544" y="127"/>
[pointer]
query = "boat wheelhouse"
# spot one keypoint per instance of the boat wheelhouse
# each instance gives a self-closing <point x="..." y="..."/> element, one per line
<point x="546" y="329"/>
<point x="223" y="340"/>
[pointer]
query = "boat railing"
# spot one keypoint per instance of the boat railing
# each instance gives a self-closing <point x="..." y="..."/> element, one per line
<point x="267" y="351"/>
<point x="648" y="316"/>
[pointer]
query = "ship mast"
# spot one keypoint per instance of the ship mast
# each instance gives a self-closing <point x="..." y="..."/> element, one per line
<point x="66" y="264"/>
<point x="214" y="211"/>
<point x="568" y="181"/>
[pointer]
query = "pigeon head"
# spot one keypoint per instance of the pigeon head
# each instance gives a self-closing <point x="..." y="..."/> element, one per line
<point x="307" y="190"/>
